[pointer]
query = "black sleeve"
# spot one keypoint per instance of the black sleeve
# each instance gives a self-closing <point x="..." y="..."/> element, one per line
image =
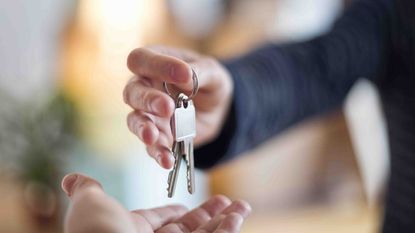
<point x="277" y="86"/>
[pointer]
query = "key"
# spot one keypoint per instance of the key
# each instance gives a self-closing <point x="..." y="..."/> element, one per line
<point x="183" y="125"/>
<point x="184" y="120"/>
<point x="174" y="173"/>
<point x="190" y="165"/>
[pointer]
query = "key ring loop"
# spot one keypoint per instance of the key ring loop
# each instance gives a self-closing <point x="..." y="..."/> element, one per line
<point x="194" y="91"/>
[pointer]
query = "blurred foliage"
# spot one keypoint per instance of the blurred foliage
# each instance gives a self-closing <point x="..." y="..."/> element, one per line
<point x="35" y="137"/>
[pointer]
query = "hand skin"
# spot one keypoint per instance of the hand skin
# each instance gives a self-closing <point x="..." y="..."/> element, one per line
<point x="153" y="108"/>
<point x="91" y="210"/>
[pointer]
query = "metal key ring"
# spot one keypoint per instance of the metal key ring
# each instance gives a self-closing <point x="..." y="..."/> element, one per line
<point x="194" y="91"/>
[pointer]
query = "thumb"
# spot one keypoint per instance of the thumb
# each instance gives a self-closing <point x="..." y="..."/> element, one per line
<point x="75" y="183"/>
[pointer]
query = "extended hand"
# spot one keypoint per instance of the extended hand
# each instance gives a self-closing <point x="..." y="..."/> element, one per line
<point x="91" y="210"/>
<point x="150" y="120"/>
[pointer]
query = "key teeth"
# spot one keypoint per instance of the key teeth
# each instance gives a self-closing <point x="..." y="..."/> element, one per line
<point x="188" y="179"/>
<point x="189" y="182"/>
<point x="169" y="180"/>
<point x="171" y="177"/>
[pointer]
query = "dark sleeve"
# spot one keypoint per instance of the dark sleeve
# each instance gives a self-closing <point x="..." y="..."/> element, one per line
<point x="277" y="86"/>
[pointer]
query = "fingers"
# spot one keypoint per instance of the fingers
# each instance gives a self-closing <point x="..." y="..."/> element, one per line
<point x="212" y="225"/>
<point x="147" y="63"/>
<point x="159" y="217"/>
<point x="155" y="132"/>
<point x="145" y="94"/>
<point x="162" y="155"/>
<point x="75" y="183"/>
<point x="143" y="126"/>
<point x="205" y="212"/>
<point x="196" y="61"/>
<point x="232" y="223"/>
<point x="199" y="216"/>
<point x="241" y="208"/>
<point x="141" y="96"/>
<point x="216" y="215"/>
<point x="151" y="120"/>
<point x="149" y="128"/>
<point x="175" y="67"/>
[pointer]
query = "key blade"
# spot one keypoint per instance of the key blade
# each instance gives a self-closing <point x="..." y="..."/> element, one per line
<point x="190" y="173"/>
<point x="172" y="182"/>
<point x="174" y="173"/>
<point x="171" y="187"/>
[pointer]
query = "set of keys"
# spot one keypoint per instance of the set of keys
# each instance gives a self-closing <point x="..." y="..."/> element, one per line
<point x="183" y="125"/>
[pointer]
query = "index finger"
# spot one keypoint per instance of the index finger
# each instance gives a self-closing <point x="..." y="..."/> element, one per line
<point x="159" y="67"/>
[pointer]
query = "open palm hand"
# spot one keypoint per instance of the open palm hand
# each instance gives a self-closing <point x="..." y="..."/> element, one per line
<point x="91" y="210"/>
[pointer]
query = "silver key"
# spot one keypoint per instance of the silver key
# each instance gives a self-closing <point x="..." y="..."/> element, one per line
<point x="174" y="173"/>
<point x="183" y="125"/>
<point x="188" y="144"/>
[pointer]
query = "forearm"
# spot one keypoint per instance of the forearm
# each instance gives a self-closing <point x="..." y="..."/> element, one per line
<point x="278" y="86"/>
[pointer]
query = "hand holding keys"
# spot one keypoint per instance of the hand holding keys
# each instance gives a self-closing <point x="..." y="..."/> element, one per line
<point x="183" y="123"/>
<point x="152" y="108"/>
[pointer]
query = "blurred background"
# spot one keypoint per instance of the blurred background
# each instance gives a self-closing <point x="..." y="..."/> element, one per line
<point x="62" y="72"/>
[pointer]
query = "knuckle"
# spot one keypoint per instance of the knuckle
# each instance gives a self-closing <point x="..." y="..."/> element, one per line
<point x="144" y="100"/>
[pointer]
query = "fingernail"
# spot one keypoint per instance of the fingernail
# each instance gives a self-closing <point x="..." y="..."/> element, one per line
<point x="68" y="183"/>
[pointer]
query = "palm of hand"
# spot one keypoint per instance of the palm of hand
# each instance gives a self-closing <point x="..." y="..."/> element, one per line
<point x="216" y="215"/>
<point x="91" y="210"/>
